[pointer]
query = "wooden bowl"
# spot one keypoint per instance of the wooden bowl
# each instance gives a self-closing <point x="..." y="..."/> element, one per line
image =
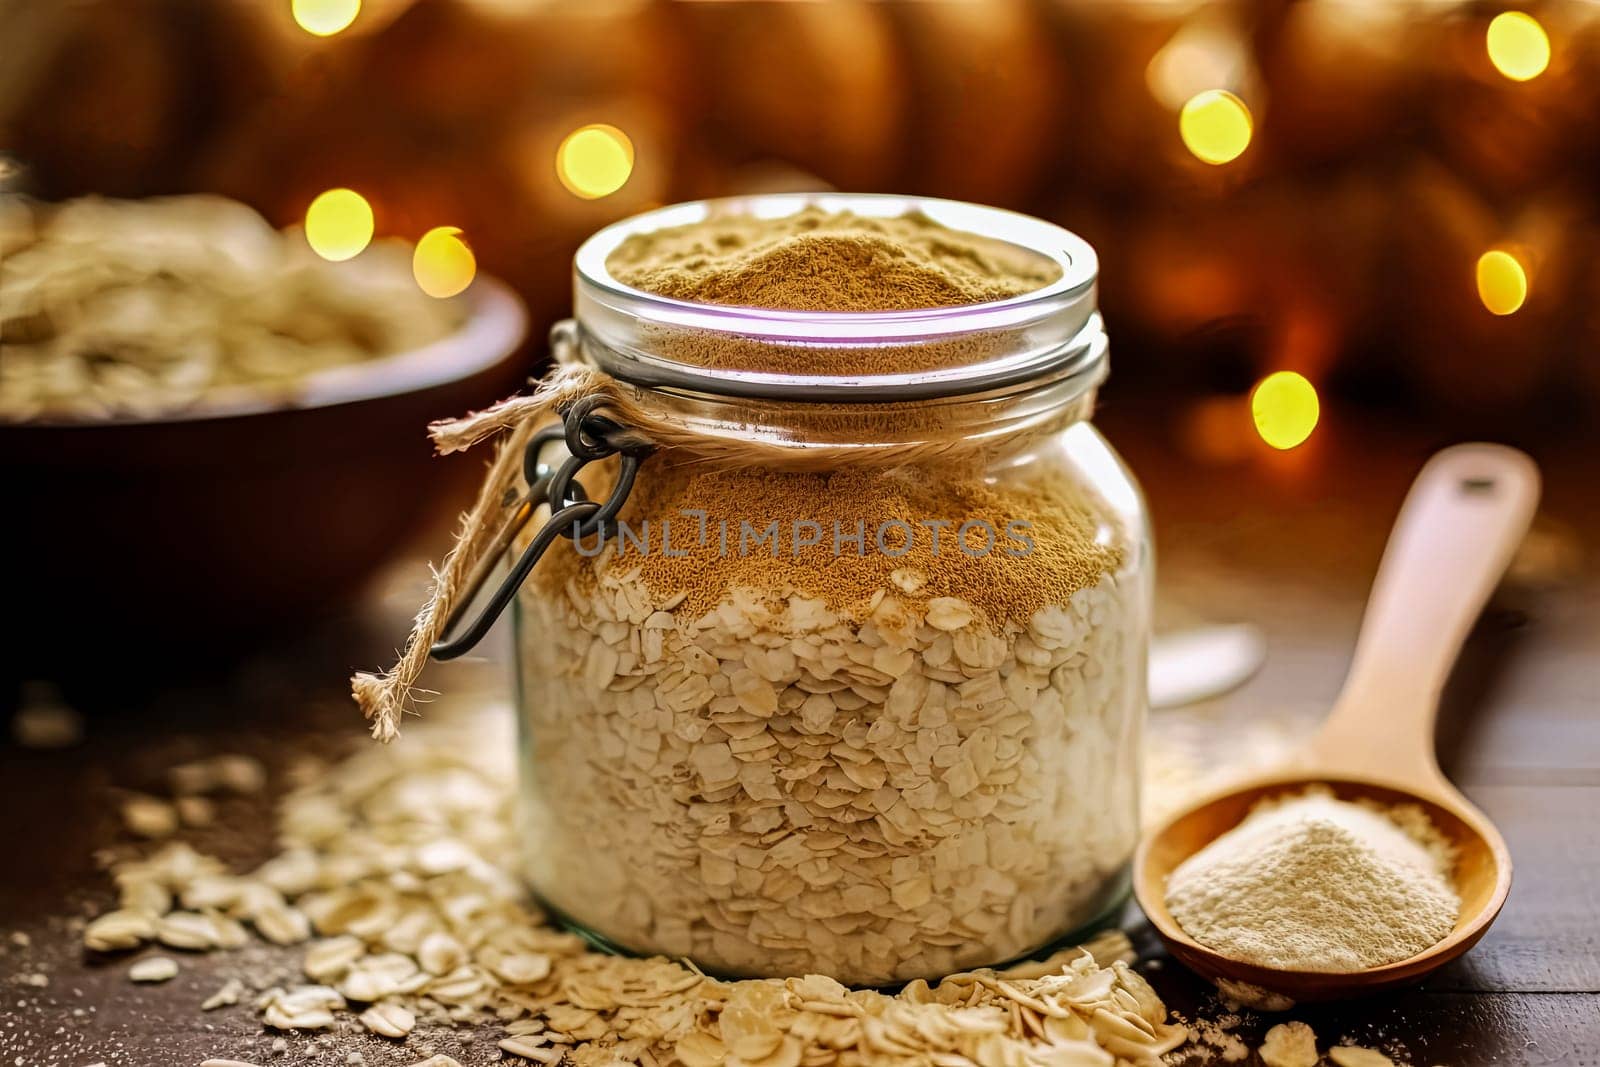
<point x="148" y="540"/>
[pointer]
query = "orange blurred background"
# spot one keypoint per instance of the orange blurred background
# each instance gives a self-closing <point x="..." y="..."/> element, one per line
<point x="1396" y="200"/>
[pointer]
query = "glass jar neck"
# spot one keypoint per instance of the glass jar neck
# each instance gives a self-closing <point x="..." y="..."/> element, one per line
<point x="791" y="428"/>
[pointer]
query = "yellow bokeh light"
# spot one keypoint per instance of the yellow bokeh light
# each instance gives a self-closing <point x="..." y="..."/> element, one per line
<point x="442" y="263"/>
<point x="1285" y="409"/>
<point x="1518" y="46"/>
<point x="594" y="161"/>
<point x="1502" y="283"/>
<point x="325" y="17"/>
<point x="1215" y="126"/>
<point x="339" y="224"/>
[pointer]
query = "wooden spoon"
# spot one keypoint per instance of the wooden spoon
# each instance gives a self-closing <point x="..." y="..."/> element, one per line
<point x="1456" y="533"/>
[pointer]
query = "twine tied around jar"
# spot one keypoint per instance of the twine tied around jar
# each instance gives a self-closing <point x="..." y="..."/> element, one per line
<point x="602" y="416"/>
<point x="497" y="514"/>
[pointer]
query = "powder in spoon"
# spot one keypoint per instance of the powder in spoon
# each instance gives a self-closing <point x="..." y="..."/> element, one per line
<point x="1313" y="883"/>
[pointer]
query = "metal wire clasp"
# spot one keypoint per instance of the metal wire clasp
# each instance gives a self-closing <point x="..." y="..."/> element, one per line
<point x="589" y="437"/>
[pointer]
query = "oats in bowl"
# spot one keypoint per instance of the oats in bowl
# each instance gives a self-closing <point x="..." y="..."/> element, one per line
<point x="142" y="309"/>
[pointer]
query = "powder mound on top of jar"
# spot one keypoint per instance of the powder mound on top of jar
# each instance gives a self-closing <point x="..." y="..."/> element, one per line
<point x="815" y="260"/>
<point x="873" y="722"/>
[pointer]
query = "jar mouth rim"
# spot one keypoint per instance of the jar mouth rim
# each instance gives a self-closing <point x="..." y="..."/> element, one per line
<point x="1064" y="309"/>
<point x="1071" y="254"/>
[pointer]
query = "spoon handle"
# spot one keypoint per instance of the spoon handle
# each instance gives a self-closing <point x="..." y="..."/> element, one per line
<point x="1460" y="524"/>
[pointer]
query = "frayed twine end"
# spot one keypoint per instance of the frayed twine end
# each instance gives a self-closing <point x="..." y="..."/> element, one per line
<point x="375" y="694"/>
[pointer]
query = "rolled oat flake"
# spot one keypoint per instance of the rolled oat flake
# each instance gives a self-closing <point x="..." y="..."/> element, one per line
<point x="832" y="662"/>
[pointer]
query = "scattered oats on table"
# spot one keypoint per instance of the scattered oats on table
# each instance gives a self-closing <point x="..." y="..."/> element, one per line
<point x="149" y="816"/>
<point x="153" y="969"/>
<point x="360" y="845"/>
<point x="388" y="1020"/>
<point x="195" y="811"/>
<point x="231" y="993"/>
<point x="118" y="930"/>
<point x="1291" y="1044"/>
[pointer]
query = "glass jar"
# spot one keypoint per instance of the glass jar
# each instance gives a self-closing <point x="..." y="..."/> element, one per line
<point x="838" y="750"/>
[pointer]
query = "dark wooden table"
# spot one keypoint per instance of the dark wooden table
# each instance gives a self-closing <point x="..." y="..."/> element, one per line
<point x="1290" y="544"/>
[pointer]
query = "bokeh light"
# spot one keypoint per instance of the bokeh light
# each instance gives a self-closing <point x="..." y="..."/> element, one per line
<point x="339" y="224"/>
<point x="1518" y="46"/>
<point x="1502" y="283"/>
<point x="1285" y="409"/>
<point x="1215" y="126"/>
<point x="325" y="17"/>
<point x="442" y="263"/>
<point x="594" y="161"/>
<point x="1201" y="55"/>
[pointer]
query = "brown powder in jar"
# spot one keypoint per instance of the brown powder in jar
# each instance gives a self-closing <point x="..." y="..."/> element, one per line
<point x="827" y="261"/>
<point x="818" y="261"/>
<point x="836" y="262"/>
<point x="1072" y="544"/>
